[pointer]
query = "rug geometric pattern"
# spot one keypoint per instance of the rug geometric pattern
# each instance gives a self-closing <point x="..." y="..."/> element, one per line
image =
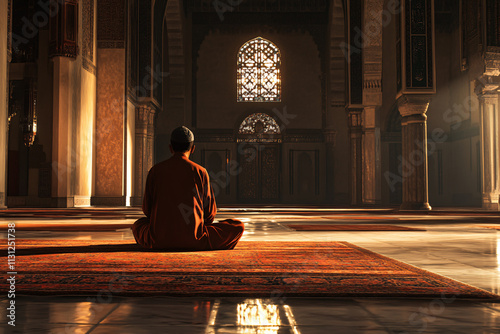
<point x="371" y="227"/>
<point x="257" y="269"/>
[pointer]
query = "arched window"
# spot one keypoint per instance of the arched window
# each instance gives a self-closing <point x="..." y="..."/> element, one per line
<point x="259" y="123"/>
<point x="259" y="77"/>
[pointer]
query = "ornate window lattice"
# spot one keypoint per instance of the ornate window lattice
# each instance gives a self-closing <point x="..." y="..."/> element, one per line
<point x="259" y="123"/>
<point x="259" y="78"/>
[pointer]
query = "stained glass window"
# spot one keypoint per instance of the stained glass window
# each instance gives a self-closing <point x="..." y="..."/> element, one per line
<point x="259" y="78"/>
<point x="259" y="123"/>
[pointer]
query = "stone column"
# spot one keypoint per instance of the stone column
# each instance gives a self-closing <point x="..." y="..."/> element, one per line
<point x="489" y="118"/>
<point x="371" y="157"/>
<point x="4" y="98"/>
<point x="372" y="99"/>
<point x="413" y="110"/>
<point x="144" y="139"/>
<point x="330" y="137"/>
<point x="356" y="158"/>
<point x="63" y="106"/>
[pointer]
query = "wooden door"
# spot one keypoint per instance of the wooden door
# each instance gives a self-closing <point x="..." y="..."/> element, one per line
<point x="259" y="180"/>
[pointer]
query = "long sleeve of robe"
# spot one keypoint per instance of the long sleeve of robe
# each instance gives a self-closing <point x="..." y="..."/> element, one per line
<point x="180" y="207"/>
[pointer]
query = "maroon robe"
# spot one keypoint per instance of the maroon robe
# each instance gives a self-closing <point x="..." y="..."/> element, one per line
<point x="179" y="205"/>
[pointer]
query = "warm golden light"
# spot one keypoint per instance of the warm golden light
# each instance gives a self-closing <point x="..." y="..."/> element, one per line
<point x="254" y="316"/>
<point x="257" y="316"/>
<point x="259" y="77"/>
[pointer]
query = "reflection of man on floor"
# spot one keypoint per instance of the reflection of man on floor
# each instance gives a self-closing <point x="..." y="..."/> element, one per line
<point x="180" y="205"/>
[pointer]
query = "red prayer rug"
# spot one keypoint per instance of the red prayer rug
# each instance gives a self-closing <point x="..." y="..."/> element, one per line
<point x="493" y="227"/>
<point x="253" y="269"/>
<point x="58" y="227"/>
<point x="351" y="228"/>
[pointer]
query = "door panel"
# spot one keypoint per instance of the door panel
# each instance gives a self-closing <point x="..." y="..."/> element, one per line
<point x="269" y="164"/>
<point x="259" y="180"/>
<point x="248" y="180"/>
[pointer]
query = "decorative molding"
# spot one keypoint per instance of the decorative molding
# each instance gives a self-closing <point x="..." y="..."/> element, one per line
<point x="110" y="44"/>
<point x="372" y="52"/>
<point x="215" y="138"/>
<point x="313" y="137"/>
<point x="412" y="105"/>
<point x="492" y="61"/>
<point x="486" y="87"/>
<point x="145" y="115"/>
<point x="9" y="32"/>
<point x="355" y="118"/>
<point x="283" y="6"/>
<point x="81" y="201"/>
<point x="330" y="136"/>
<point x="89" y="66"/>
<point x="88" y="28"/>
<point x="373" y="84"/>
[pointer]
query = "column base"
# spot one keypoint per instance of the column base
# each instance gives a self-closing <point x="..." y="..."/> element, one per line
<point x="415" y="207"/>
<point x="109" y="201"/>
<point x="490" y="206"/>
<point x="64" y="202"/>
<point x="135" y="201"/>
<point x="3" y="202"/>
<point x="82" y="201"/>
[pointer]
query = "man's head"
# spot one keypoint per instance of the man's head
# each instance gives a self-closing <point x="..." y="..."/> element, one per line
<point x="182" y="141"/>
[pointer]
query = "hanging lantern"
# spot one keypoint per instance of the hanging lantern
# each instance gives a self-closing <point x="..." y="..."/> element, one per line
<point x="64" y="28"/>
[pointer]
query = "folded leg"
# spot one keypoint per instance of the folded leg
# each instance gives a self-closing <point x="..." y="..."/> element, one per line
<point x="141" y="231"/>
<point x="224" y="234"/>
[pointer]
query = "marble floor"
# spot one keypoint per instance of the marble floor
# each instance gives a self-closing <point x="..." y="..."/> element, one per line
<point x="456" y="245"/>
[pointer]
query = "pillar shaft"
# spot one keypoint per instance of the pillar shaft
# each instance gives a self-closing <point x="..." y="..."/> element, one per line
<point x="356" y="156"/>
<point x="144" y="141"/>
<point x="489" y="149"/>
<point x="4" y="86"/>
<point x="62" y="163"/>
<point x="414" y="141"/>
<point x="371" y="157"/>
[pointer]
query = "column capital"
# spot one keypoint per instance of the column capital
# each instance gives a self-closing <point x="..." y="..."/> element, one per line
<point x="487" y="87"/>
<point x="330" y="136"/>
<point x="415" y="104"/>
<point x="355" y="117"/>
<point x="145" y="114"/>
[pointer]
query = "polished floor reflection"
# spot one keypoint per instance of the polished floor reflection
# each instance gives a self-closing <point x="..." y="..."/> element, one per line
<point x="454" y="245"/>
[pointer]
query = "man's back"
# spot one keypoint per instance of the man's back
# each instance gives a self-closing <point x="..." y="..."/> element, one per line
<point x="179" y="201"/>
<point x="179" y="205"/>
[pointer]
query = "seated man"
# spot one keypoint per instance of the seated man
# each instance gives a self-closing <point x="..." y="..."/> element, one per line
<point x="179" y="205"/>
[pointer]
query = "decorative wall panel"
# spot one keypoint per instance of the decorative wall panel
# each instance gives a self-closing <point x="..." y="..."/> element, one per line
<point x="111" y="23"/>
<point x="270" y="180"/>
<point x="88" y="31"/>
<point x="418" y="46"/>
<point x="259" y="180"/>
